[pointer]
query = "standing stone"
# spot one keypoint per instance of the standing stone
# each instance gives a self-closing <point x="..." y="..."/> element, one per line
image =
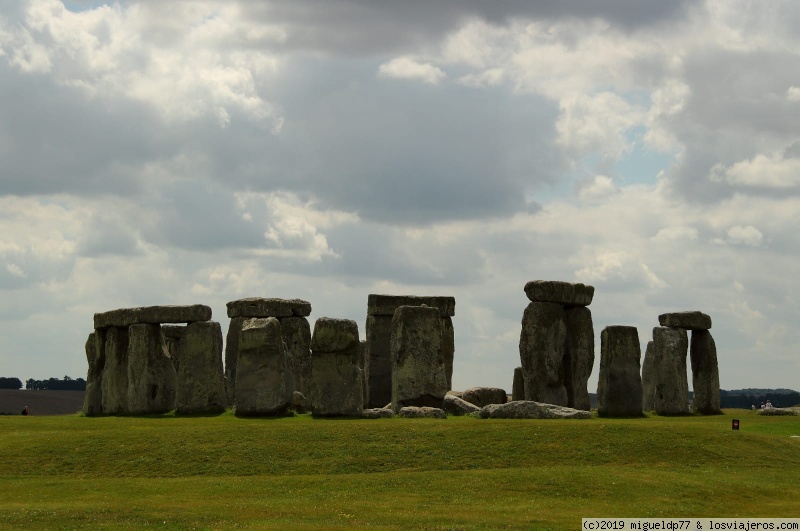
<point x="378" y="361"/>
<point x="578" y="356"/>
<point x="337" y="380"/>
<point x="172" y="339"/>
<point x="151" y="374"/>
<point x="200" y="382"/>
<point x="362" y="364"/>
<point x="705" y="373"/>
<point x="619" y="389"/>
<point x="518" y="387"/>
<point x="115" y="376"/>
<point x="648" y="378"/>
<point x="297" y="336"/>
<point x="263" y="380"/>
<point x="418" y="373"/>
<point x="541" y="351"/>
<point x="448" y="349"/>
<point x="95" y="355"/>
<point x="670" y="346"/>
<point x="231" y="356"/>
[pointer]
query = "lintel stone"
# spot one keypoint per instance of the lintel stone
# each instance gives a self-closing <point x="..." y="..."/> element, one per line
<point x="565" y="293"/>
<point x="686" y="320"/>
<point x="262" y="307"/>
<point x="152" y="315"/>
<point x="387" y="304"/>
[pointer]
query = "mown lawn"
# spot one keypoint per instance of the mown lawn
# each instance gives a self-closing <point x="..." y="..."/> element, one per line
<point x="460" y="473"/>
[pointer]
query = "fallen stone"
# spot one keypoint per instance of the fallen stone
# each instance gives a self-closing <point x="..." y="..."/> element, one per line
<point x="115" y="374"/>
<point x="483" y="396"/>
<point x="564" y="293"/>
<point x="526" y="409"/>
<point x="648" y="378"/>
<point x="518" y="387"/>
<point x="705" y="373"/>
<point x="541" y="351"/>
<point x="777" y="411"/>
<point x="422" y="412"/>
<point x="688" y="320"/>
<point x="377" y="413"/>
<point x="459" y="394"/>
<point x="418" y="377"/>
<point x="261" y="307"/>
<point x="200" y="379"/>
<point x="151" y="373"/>
<point x="454" y="405"/>
<point x="263" y="380"/>
<point x="231" y="357"/>
<point x="670" y="346"/>
<point x="578" y="356"/>
<point x="388" y="304"/>
<point x="95" y="356"/>
<point x="337" y="379"/>
<point x="619" y="388"/>
<point x="124" y="317"/>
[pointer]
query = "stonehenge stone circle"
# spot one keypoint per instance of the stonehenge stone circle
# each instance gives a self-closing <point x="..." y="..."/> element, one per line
<point x="671" y="396"/>
<point x="541" y="349"/>
<point x="705" y="373"/>
<point x="337" y="379"/>
<point x="619" y="388"/>
<point x="200" y="382"/>
<point x="418" y="370"/>
<point x="579" y="356"/>
<point x="525" y="409"/>
<point x="151" y="374"/>
<point x="264" y="384"/>
<point x="378" y="361"/>
<point x="93" y="398"/>
<point x="518" y="387"/>
<point x="648" y="378"/>
<point x="483" y="396"/>
<point x="688" y="320"/>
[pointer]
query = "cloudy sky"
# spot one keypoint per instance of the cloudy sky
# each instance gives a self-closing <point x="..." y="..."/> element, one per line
<point x="199" y="152"/>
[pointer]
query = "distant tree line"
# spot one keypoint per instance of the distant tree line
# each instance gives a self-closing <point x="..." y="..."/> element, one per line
<point x="745" y="398"/>
<point x="54" y="384"/>
<point x="10" y="383"/>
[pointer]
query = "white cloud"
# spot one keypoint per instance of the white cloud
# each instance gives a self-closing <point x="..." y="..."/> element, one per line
<point x="407" y="68"/>
<point x="769" y="171"/>
<point x="748" y="235"/>
<point x="676" y="234"/>
<point x="793" y="93"/>
<point x="600" y="187"/>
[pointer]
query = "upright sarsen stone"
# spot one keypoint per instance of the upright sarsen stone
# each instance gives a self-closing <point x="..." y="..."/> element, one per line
<point x="336" y="376"/>
<point x="418" y="372"/>
<point x="95" y="355"/>
<point x="705" y="373"/>
<point x="448" y="349"/>
<point x="578" y="356"/>
<point x="671" y="396"/>
<point x="297" y="336"/>
<point x="648" y="378"/>
<point x="151" y="374"/>
<point x="619" y="388"/>
<point x="263" y="380"/>
<point x="378" y="361"/>
<point x="231" y="357"/>
<point x="200" y="383"/>
<point x="518" y="387"/>
<point x="541" y="352"/>
<point x="115" y="377"/>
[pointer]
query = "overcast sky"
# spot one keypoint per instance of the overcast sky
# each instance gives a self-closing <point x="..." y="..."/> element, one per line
<point x="199" y="152"/>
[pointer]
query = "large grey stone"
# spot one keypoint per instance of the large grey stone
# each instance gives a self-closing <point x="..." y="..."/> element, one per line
<point x="518" y="387"/>
<point x="377" y="413"/>
<point x="705" y="373"/>
<point x="115" y="375"/>
<point x="778" y="411"/>
<point x="297" y="336"/>
<point x="649" y="378"/>
<point x="264" y="307"/>
<point x="124" y="317"/>
<point x="336" y="376"/>
<point x="378" y="361"/>
<point x="95" y="356"/>
<point x="388" y="304"/>
<point x="200" y="381"/>
<point x="231" y="357"/>
<point x="421" y="412"/>
<point x="541" y="351"/>
<point x="418" y="374"/>
<point x="151" y="374"/>
<point x="448" y="349"/>
<point x="578" y="356"/>
<point x="454" y="405"/>
<point x="670" y="346"/>
<point x="564" y="293"/>
<point x="619" y="388"/>
<point x="263" y="380"/>
<point x="172" y="339"/>
<point x="483" y="396"/>
<point x="525" y="409"/>
<point x="688" y="320"/>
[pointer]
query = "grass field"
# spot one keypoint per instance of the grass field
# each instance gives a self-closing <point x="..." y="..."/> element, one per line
<point x="460" y="473"/>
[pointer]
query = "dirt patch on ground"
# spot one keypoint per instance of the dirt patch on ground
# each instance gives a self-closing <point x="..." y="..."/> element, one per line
<point x="40" y="402"/>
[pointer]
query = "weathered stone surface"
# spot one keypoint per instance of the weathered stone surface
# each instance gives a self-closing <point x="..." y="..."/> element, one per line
<point x="300" y="402"/>
<point x="262" y="307"/>
<point x="705" y="373"/>
<point x="454" y="405"/>
<point x="378" y="360"/>
<point x="448" y="349"/>
<point x="172" y="339"/>
<point x="418" y="377"/>
<point x="525" y="409"/>
<point x="115" y="375"/>
<point x="649" y="378"/>
<point x="518" y="387"/>
<point x="578" y="356"/>
<point x="777" y="411"/>
<point x="422" y="412"/>
<point x="95" y="356"/>
<point x="688" y="320"/>
<point x="541" y="351"/>
<point x="362" y="364"/>
<point x="459" y="394"/>
<point x="231" y="356"/>
<point x="483" y="396"/>
<point x="297" y="336"/>
<point x="151" y="374"/>
<point x="670" y="346"/>
<point x="619" y="388"/>
<point x="377" y="413"/>
<point x="564" y="293"/>
<point x="263" y="380"/>
<point x="124" y="317"/>
<point x="388" y="304"/>
<point x="200" y="381"/>
<point x="337" y="380"/>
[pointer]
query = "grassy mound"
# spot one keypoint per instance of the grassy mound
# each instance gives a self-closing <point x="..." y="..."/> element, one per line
<point x="459" y="473"/>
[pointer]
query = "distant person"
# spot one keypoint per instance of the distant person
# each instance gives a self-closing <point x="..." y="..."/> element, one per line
<point x="752" y="406"/>
<point x="25" y="411"/>
<point x="763" y="406"/>
<point x="769" y="404"/>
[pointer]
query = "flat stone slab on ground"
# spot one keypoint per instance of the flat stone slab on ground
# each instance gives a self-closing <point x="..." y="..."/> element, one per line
<point x="483" y="396"/>
<point x="423" y="412"/>
<point x="688" y="320"/>
<point x="268" y="307"/>
<point x="152" y="315"/>
<point x="526" y="409"/>
<point x="565" y="293"/>
<point x="377" y="413"/>
<point x="387" y="304"/>
<point x="457" y="406"/>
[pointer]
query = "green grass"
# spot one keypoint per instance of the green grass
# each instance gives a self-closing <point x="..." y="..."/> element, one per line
<point x="460" y="473"/>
